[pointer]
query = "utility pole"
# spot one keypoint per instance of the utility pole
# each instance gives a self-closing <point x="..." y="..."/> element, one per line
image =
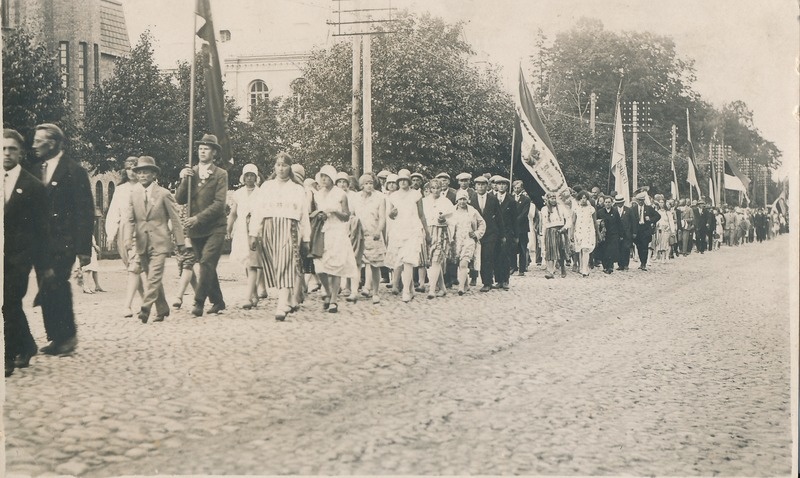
<point x="355" y="160"/>
<point x="592" y="107"/>
<point x="349" y="22"/>
<point x="636" y="119"/>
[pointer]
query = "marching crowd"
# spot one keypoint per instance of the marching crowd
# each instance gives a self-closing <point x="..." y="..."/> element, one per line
<point x="295" y="234"/>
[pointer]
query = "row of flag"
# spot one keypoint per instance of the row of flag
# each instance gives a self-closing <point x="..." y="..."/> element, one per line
<point x="534" y="160"/>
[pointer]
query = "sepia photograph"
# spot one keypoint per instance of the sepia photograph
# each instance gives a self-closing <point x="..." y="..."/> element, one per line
<point x="400" y="237"/>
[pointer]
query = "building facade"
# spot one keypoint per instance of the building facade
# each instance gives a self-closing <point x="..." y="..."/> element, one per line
<point x="251" y="78"/>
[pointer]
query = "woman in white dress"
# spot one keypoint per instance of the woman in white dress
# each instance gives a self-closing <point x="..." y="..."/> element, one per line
<point x="350" y="285"/>
<point x="280" y="231"/>
<point x="116" y="224"/>
<point x="338" y="260"/>
<point x="409" y="233"/>
<point x="468" y="229"/>
<point x="238" y="231"/>
<point x="583" y="231"/>
<point x="438" y="210"/>
<point x="371" y="211"/>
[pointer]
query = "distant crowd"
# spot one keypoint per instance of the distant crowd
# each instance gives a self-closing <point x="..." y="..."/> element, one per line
<point x="294" y="234"/>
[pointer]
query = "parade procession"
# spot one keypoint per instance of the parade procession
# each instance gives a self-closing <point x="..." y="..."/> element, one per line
<point x="260" y="261"/>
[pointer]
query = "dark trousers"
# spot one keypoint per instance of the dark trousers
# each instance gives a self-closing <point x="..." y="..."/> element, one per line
<point x="56" y="300"/>
<point x="624" y="258"/>
<point x="610" y="251"/>
<point x="17" y="332"/>
<point x="522" y="252"/>
<point x="208" y="249"/>
<point x="450" y="273"/>
<point x="488" y="253"/>
<point x="710" y="240"/>
<point x="642" y="242"/>
<point x="700" y="239"/>
<point x="503" y="260"/>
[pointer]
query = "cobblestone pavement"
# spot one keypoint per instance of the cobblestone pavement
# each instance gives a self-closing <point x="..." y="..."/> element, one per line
<point x="682" y="370"/>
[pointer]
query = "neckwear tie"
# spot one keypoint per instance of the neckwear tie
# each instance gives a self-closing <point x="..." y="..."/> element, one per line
<point x="146" y="199"/>
<point x="44" y="172"/>
<point x="641" y="214"/>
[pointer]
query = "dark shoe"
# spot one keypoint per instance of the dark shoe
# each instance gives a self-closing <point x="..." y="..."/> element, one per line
<point x="178" y="303"/>
<point x="486" y="288"/>
<point x="505" y="286"/>
<point x="461" y="292"/>
<point x="521" y="273"/>
<point x="473" y="282"/>
<point x="197" y="310"/>
<point x="216" y="308"/>
<point x="61" y="347"/>
<point x="549" y="276"/>
<point x="143" y="316"/>
<point x="643" y="268"/>
<point x="160" y="318"/>
<point x="9" y="367"/>
<point x="608" y="271"/>
<point x="333" y="308"/>
<point x="23" y="360"/>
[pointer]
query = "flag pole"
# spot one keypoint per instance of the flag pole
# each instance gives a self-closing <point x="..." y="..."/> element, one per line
<point x="191" y="109"/>
<point x="511" y="170"/>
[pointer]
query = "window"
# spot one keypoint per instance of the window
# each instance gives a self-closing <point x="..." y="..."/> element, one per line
<point x="258" y="93"/>
<point x="63" y="63"/>
<point x="111" y="189"/>
<point x="98" y="195"/>
<point x="96" y="64"/>
<point x="83" y="76"/>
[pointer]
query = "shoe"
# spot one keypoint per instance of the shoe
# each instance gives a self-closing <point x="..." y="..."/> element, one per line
<point x="549" y="276"/>
<point x="251" y="304"/>
<point x="441" y="293"/>
<point x="216" y="308"/>
<point x="197" y="310"/>
<point x="293" y="308"/>
<point x="506" y="286"/>
<point x="160" y="318"/>
<point x="9" y="367"/>
<point x="345" y="292"/>
<point x="23" y="360"/>
<point x="61" y="347"/>
<point x="620" y="268"/>
<point x="461" y="292"/>
<point x="431" y="296"/>
<point x="143" y="316"/>
<point x="280" y="317"/>
<point x="585" y="275"/>
<point x="376" y="300"/>
<point x="88" y="291"/>
<point x="128" y="314"/>
<point x="178" y="303"/>
<point x="333" y="308"/>
<point x="326" y="302"/>
<point x="366" y="293"/>
<point x="643" y="268"/>
<point x="395" y="291"/>
<point x="264" y="295"/>
<point x="419" y="289"/>
<point x="486" y="288"/>
<point x="473" y="282"/>
<point x="408" y="298"/>
<point x="99" y="289"/>
<point x="352" y="298"/>
<point x="608" y="271"/>
<point x="521" y="274"/>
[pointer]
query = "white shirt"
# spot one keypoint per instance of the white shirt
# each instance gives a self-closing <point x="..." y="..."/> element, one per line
<point x="482" y="201"/>
<point x="501" y="197"/>
<point x="203" y="171"/>
<point x="52" y="164"/>
<point x="11" y="180"/>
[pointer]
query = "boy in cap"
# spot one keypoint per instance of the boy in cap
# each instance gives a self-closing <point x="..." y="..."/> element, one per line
<point x="150" y="209"/>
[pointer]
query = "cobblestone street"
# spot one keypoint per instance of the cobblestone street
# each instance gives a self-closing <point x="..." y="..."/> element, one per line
<point x="682" y="370"/>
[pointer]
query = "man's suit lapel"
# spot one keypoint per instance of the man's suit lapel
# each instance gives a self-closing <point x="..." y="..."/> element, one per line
<point x="19" y="190"/>
<point x="201" y="184"/>
<point x="59" y="173"/>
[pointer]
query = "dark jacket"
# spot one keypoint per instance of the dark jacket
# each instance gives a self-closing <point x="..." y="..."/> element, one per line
<point x="508" y="209"/>
<point x="611" y="222"/>
<point x="523" y="209"/>
<point x="25" y="218"/>
<point x="651" y="217"/>
<point x="627" y="220"/>
<point x="492" y="216"/>
<point x="71" y="209"/>
<point x="208" y="201"/>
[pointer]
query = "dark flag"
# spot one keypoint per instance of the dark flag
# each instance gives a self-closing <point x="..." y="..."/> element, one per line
<point x="212" y="72"/>
<point x="691" y="176"/>
<point x="734" y="179"/>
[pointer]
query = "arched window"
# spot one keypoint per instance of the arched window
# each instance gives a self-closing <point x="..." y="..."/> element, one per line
<point x="111" y="189"/>
<point x="258" y="92"/>
<point x="98" y="195"/>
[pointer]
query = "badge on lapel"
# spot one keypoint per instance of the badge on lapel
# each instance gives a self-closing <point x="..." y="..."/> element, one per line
<point x="54" y="183"/>
<point x="19" y="191"/>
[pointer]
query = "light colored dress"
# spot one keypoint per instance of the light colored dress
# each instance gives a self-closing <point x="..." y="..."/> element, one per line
<point x="664" y="227"/>
<point x="117" y="224"/>
<point x="584" y="234"/>
<point x="406" y="240"/>
<point x="368" y="208"/>
<point x="463" y="222"/>
<point x="338" y="258"/>
<point x="439" y="249"/>
<point x="240" y="246"/>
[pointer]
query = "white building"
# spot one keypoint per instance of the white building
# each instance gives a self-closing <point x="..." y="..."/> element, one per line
<point x="250" y="78"/>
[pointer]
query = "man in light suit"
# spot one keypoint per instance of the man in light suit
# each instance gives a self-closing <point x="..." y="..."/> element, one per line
<point x="206" y="223"/>
<point x="25" y="218"/>
<point x="71" y="223"/>
<point x="489" y="208"/>
<point x="645" y="219"/>
<point x="150" y="209"/>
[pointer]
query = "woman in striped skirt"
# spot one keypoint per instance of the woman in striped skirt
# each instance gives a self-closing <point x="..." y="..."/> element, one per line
<point x="553" y="223"/>
<point x="281" y="230"/>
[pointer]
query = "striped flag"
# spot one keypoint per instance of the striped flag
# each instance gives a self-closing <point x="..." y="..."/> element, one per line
<point x="618" y="166"/>
<point x="691" y="177"/>
<point x="212" y="72"/>
<point x="734" y="179"/>
<point x="536" y="150"/>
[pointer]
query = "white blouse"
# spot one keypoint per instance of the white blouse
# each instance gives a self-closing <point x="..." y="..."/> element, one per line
<point x="277" y="198"/>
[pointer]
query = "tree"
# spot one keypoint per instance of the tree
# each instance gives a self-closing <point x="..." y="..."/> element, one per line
<point x="433" y="109"/>
<point x="136" y="112"/>
<point x="32" y="91"/>
<point x="257" y="141"/>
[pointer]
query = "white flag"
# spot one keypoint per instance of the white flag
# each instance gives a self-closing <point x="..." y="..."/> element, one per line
<point x="618" y="166"/>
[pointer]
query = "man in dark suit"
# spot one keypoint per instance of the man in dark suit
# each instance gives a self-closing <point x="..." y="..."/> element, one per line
<point x="701" y="226"/>
<point x="206" y="224"/>
<point x="489" y="208"/>
<point x="646" y="218"/>
<point x="626" y="237"/>
<point x="612" y="227"/>
<point x="507" y="248"/>
<point x="25" y="219"/>
<point x="711" y="226"/>
<point x="523" y="227"/>
<point x="71" y="224"/>
<point x="447" y="191"/>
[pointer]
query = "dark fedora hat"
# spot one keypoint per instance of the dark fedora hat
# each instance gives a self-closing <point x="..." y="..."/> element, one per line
<point x="146" y="162"/>
<point x="209" y="140"/>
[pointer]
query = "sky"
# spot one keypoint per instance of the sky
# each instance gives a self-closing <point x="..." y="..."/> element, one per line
<point x="743" y="49"/>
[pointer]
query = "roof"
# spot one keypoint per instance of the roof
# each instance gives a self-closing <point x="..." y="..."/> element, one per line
<point x="113" y="30"/>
